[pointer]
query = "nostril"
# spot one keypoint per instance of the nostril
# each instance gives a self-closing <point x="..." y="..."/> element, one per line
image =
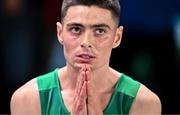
<point x="86" y="45"/>
<point x="89" y="46"/>
<point x="82" y="45"/>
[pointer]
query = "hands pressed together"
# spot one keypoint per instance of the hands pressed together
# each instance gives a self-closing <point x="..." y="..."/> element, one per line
<point x="86" y="100"/>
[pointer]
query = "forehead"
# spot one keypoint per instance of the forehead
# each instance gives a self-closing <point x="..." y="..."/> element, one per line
<point x="88" y="15"/>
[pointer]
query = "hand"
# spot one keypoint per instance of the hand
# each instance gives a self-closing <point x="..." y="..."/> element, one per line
<point x="79" y="103"/>
<point x="93" y="99"/>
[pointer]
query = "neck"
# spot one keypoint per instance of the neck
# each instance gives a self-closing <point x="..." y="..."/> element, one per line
<point x="104" y="78"/>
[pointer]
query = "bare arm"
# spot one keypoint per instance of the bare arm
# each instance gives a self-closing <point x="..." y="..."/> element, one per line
<point x="146" y="103"/>
<point x="25" y="100"/>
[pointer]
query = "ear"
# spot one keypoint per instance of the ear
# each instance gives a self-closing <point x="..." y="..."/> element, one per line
<point x="118" y="37"/>
<point x="59" y="32"/>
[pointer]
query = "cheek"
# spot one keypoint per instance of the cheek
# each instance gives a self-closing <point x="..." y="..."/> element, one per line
<point x="105" y="48"/>
<point x="105" y="45"/>
<point x="69" y="46"/>
<point x="68" y="51"/>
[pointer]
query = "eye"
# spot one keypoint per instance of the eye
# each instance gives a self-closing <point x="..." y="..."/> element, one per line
<point x="75" y="30"/>
<point x="100" y="31"/>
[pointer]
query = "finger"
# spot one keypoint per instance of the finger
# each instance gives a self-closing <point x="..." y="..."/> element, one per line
<point x="80" y="91"/>
<point x="80" y="81"/>
<point x="89" y="89"/>
<point x="83" y="68"/>
<point x="83" y="93"/>
<point x="82" y="86"/>
<point x="88" y="74"/>
<point x="81" y="102"/>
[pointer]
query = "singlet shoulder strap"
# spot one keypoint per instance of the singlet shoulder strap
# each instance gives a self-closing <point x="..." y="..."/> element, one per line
<point x="48" y="92"/>
<point x="123" y="96"/>
<point x="47" y="81"/>
<point x="127" y="85"/>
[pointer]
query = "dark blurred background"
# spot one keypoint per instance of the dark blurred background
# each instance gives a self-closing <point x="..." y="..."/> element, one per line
<point x="149" y="52"/>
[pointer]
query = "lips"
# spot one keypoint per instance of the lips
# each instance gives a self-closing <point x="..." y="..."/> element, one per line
<point x="85" y="57"/>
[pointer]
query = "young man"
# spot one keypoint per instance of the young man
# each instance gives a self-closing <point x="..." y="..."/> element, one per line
<point x="86" y="85"/>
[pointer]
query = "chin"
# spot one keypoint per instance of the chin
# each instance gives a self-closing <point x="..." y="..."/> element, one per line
<point x="80" y="65"/>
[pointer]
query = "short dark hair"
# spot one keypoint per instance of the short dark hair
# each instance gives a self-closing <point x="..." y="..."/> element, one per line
<point x="112" y="5"/>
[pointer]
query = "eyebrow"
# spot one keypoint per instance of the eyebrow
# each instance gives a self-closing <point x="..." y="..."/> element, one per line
<point x="75" y="24"/>
<point x="91" y="26"/>
<point x="100" y="25"/>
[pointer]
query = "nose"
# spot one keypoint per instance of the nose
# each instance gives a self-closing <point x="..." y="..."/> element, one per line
<point x="86" y="41"/>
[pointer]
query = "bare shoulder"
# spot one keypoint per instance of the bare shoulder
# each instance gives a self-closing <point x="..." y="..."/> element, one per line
<point x="146" y="102"/>
<point x="25" y="100"/>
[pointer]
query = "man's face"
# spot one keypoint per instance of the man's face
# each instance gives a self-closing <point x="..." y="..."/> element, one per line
<point x="88" y="34"/>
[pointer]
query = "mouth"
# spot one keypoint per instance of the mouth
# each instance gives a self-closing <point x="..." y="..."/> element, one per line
<point x="85" y="57"/>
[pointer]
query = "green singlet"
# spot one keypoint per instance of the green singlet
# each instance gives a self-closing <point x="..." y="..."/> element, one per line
<point x="52" y="102"/>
